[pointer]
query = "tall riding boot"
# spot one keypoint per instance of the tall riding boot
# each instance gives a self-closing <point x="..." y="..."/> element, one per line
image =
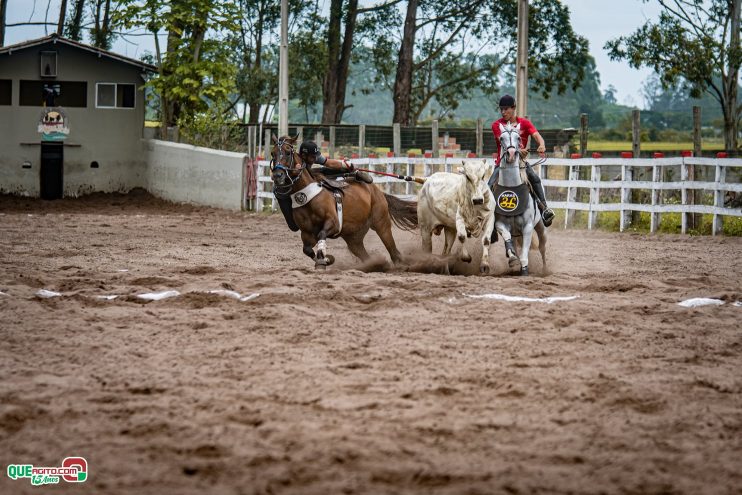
<point x="547" y="214"/>
<point x="284" y="202"/>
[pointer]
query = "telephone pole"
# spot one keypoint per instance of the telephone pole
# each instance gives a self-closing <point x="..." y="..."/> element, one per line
<point x="521" y="64"/>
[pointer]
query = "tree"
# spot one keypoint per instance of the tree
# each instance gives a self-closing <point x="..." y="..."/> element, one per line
<point x="101" y="34"/>
<point x="196" y="70"/>
<point x="696" y="41"/>
<point x="73" y="29"/>
<point x="346" y="18"/>
<point x="451" y="38"/>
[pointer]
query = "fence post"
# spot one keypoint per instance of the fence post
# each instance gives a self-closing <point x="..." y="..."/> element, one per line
<point x="396" y="139"/>
<point x="717" y="226"/>
<point x="654" y="217"/>
<point x="594" y="197"/>
<point x="627" y="173"/>
<point x="299" y="134"/>
<point x="574" y="174"/>
<point x="410" y="171"/>
<point x="434" y="135"/>
<point x="583" y="135"/>
<point x="331" y="150"/>
<point x="480" y="137"/>
<point x="695" y="219"/>
<point x="685" y="216"/>
<point x="362" y="140"/>
<point x="266" y="142"/>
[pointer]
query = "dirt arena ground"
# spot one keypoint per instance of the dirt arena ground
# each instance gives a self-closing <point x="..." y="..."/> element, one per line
<point x="359" y="380"/>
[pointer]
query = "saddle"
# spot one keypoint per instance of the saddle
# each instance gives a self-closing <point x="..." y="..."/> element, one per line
<point x="511" y="201"/>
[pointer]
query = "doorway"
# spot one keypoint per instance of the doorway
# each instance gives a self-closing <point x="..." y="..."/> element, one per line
<point x="52" y="170"/>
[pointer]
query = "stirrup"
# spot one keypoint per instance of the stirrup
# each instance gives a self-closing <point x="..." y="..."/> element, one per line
<point x="547" y="216"/>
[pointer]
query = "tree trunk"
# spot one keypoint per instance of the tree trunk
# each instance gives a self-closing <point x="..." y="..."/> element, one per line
<point x="75" y="26"/>
<point x="344" y="62"/>
<point x="403" y="79"/>
<point x="730" y="85"/>
<point x="329" y="86"/>
<point x="3" y="6"/>
<point x="62" y="14"/>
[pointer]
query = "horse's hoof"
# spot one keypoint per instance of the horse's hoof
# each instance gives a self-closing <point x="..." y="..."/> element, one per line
<point x="329" y="260"/>
<point x="524" y="271"/>
<point x="484" y="269"/>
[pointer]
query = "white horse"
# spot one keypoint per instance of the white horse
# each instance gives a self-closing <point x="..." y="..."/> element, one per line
<point x="515" y="211"/>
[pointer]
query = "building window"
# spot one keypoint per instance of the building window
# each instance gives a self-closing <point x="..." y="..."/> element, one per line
<point x="115" y="95"/>
<point x="6" y="90"/>
<point x="48" y="64"/>
<point x="58" y="93"/>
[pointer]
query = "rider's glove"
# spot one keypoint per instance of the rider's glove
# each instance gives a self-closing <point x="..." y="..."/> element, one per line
<point x="349" y="166"/>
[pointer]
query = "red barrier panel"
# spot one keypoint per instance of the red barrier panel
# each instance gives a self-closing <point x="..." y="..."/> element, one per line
<point x="627" y="154"/>
<point x="411" y="155"/>
<point x="597" y="155"/>
<point x="389" y="154"/>
<point x="354" y="155"/>
<point x="686" y="153"/>
<point x="657" y="154"/>
<point x="471" y="155"/>
<point x="449" y="155"/>
<point x="722" y="154"/>
<point x="428" y="154"/>
<point x="372" y="155"/>
<point x="575" y="155"/>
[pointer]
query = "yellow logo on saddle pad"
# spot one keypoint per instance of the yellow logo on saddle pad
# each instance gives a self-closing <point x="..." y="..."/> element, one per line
<point x="508" y="201"/>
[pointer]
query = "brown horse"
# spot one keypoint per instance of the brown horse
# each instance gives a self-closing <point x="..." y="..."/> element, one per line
<point x="321" y="213"/>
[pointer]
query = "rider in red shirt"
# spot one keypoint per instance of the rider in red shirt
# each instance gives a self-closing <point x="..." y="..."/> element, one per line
<point x="507" y="110"/>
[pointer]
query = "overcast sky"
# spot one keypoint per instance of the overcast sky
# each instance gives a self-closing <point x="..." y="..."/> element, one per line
<point x="597" y="20"/>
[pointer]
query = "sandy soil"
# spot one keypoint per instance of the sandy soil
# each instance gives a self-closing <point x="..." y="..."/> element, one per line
<point x="359" y="380"/>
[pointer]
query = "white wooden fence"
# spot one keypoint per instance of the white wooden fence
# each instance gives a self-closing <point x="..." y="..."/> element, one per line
<point x="571" y="170"/>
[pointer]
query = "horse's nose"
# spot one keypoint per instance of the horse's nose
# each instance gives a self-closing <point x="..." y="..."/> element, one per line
<point x="478" y="201"/>
<point x="511" y="154"/>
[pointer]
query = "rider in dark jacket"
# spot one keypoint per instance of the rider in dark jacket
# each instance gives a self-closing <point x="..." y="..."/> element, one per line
<point x="310" y="155"/>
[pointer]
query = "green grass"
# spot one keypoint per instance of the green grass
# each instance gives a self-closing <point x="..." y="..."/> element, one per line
<point x="654" y="146"/>
<point x="670" y="223"/>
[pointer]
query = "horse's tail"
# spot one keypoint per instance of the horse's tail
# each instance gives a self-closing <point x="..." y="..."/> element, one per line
<point x="403" y="213"/>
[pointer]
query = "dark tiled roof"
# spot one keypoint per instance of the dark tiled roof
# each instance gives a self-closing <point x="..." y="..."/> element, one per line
<point x="57" y="39"/>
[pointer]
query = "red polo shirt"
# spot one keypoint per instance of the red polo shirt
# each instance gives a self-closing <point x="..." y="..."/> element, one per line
<point x="526" y="129"/>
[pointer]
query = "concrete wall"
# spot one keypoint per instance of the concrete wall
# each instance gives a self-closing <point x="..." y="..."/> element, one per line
<point x="111" y="137"/>
<point x="189" y="174"/>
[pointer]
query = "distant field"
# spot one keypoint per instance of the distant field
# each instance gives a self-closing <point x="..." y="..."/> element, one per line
<point x="653" y="146"/>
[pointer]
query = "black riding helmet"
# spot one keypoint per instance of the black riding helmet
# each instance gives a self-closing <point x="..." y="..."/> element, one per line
<point x="309" y="148"/>
<point x="507" y="101"/>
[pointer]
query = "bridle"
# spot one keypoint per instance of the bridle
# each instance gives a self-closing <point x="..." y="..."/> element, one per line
<point x="285" y="160"/>
<point x="510" y="131"/>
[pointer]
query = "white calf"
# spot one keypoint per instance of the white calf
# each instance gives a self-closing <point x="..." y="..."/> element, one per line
<point x="460" y="204"/>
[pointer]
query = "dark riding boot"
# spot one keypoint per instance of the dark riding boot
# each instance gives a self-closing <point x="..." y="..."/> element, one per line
<point x="491" y="184"/>
<point x="547" y="214"/>
<point x="288" y="213"/>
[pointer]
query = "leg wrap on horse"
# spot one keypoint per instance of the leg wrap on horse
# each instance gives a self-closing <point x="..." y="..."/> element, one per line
<point x="285" y="204"/>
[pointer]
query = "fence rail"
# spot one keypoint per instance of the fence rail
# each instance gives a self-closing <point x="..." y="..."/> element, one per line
<point x="609" y="188"/>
